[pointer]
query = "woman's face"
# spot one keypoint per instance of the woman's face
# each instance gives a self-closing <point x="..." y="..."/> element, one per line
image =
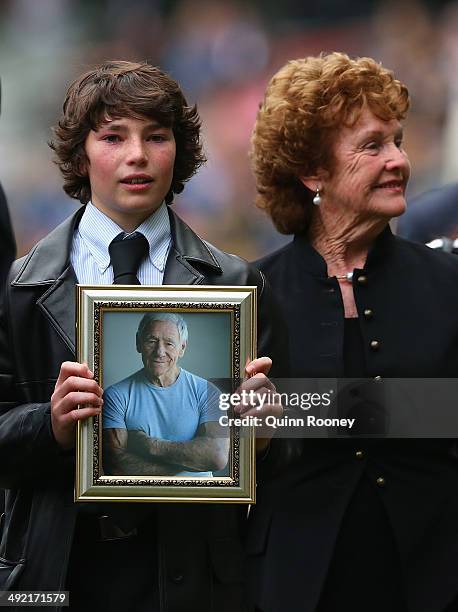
<point x="370" y="169"/>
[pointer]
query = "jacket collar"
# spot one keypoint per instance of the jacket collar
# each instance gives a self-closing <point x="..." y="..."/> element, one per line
<point x="51" y="256"/>
<point x="313" y="262"/>
<point x="48" y="264"/>
<point x="190" y="245"/>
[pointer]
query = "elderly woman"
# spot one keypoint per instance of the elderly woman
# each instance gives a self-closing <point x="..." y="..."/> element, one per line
<point x="366" y="525"/>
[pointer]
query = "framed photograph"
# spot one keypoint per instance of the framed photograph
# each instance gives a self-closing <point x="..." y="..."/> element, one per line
<point x="167" y="358"/>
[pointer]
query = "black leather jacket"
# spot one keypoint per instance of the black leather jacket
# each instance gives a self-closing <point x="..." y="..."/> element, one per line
<point x="37" y="333"/>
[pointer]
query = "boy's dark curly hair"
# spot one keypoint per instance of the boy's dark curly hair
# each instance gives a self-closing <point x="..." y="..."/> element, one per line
<point x="124" y="89"/>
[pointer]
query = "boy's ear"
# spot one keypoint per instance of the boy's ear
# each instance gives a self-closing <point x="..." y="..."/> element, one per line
<point x="82" y="164"/>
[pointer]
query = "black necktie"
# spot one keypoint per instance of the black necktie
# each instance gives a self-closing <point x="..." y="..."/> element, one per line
<point x="125" y="256"/>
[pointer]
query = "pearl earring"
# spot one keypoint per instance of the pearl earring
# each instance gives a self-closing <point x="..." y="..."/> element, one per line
<point x="317" y="198"/>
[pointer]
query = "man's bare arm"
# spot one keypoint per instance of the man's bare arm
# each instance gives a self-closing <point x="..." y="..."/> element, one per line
<point x="207" y="451"/>
<point x="121" y="461"/>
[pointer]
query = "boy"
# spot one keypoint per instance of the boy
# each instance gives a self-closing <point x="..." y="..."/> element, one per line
<point x="126" y="143"/>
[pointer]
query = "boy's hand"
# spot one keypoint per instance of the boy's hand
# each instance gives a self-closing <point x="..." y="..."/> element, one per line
<point x="257" y="370"/>
<point x="75" y="386"/>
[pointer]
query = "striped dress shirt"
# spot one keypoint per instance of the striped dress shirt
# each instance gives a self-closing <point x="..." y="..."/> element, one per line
<point x="90" y="257"/>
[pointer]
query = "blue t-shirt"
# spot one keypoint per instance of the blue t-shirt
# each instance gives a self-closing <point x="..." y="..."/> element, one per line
<point x="168" y="413"/>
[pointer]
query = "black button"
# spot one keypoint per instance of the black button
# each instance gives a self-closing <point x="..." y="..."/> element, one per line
<point x="380" y="481"/>
<point x="375" y="345"/>
<point x="368" y="313"/>
<point x="359" y="454"/>
<point x="378" y="378"/>
<point x="177" y="576"/>
<point x="362" y="280"/>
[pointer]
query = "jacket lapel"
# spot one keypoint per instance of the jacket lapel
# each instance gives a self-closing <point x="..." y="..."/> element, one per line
<point x="48" y="269"/>
<point x="58" y="305"/>
<point x="188" y="255"/>
<point x="179" y="272"/>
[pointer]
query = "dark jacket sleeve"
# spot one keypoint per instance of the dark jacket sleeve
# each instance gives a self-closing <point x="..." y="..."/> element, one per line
<point x="28" y="449"/>
<point x="274" y="343"/>
<point x="272" y="332"/>
<point x="7" y="242"/>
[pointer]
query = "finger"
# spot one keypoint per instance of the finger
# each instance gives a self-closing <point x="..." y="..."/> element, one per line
<point x="275" y="410"/>
<point x="255" y="383"/>
<point x="80" y="414"/>
<point x="73" y="385"/>
<point x="255" y="409"/>
<point x="73" y="368"/>
<point x="76" y="383"/>
<point x="255" y="399"/>
<point x="259" y="365"/>
<point x="75" y="399"/>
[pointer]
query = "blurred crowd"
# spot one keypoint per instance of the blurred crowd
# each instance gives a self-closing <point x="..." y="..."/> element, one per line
<point x="222" y="52"/>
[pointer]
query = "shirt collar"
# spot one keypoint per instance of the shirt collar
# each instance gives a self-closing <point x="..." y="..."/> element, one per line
<point x="97" y="231"/>
<point x="156" y="230"/>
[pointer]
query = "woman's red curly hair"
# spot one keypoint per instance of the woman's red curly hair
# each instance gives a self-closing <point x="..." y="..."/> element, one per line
<point x="305" y="103"/>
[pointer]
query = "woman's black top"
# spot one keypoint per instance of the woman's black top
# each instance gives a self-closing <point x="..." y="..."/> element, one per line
<point x="365" y="571"/>
<point x="323" y="504"/>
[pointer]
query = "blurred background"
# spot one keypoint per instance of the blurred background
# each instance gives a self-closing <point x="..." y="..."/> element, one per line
<point x="222" y="52"/>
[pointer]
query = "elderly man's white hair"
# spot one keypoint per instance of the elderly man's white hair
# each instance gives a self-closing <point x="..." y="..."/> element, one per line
<point x="149" y="317"/>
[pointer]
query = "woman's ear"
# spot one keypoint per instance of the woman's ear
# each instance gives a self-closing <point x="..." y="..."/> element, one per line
<point x="311" y="182"/>
<point x="315" y="181"/>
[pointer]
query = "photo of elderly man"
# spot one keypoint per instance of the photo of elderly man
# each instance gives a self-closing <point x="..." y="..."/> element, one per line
<point x="163" y="420"/>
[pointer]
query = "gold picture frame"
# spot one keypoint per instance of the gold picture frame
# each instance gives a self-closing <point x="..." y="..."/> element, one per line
<point x="224" y="340"/>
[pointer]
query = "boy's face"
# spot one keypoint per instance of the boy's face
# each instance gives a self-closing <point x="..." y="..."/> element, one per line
<point x="130" y="168"/>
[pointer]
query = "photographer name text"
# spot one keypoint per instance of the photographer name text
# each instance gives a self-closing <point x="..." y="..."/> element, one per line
<point x="279" y="422"/>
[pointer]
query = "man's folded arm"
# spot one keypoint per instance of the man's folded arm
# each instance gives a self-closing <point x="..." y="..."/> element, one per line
<point x="120" y="460"/>
<point x="207" y="451"/>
